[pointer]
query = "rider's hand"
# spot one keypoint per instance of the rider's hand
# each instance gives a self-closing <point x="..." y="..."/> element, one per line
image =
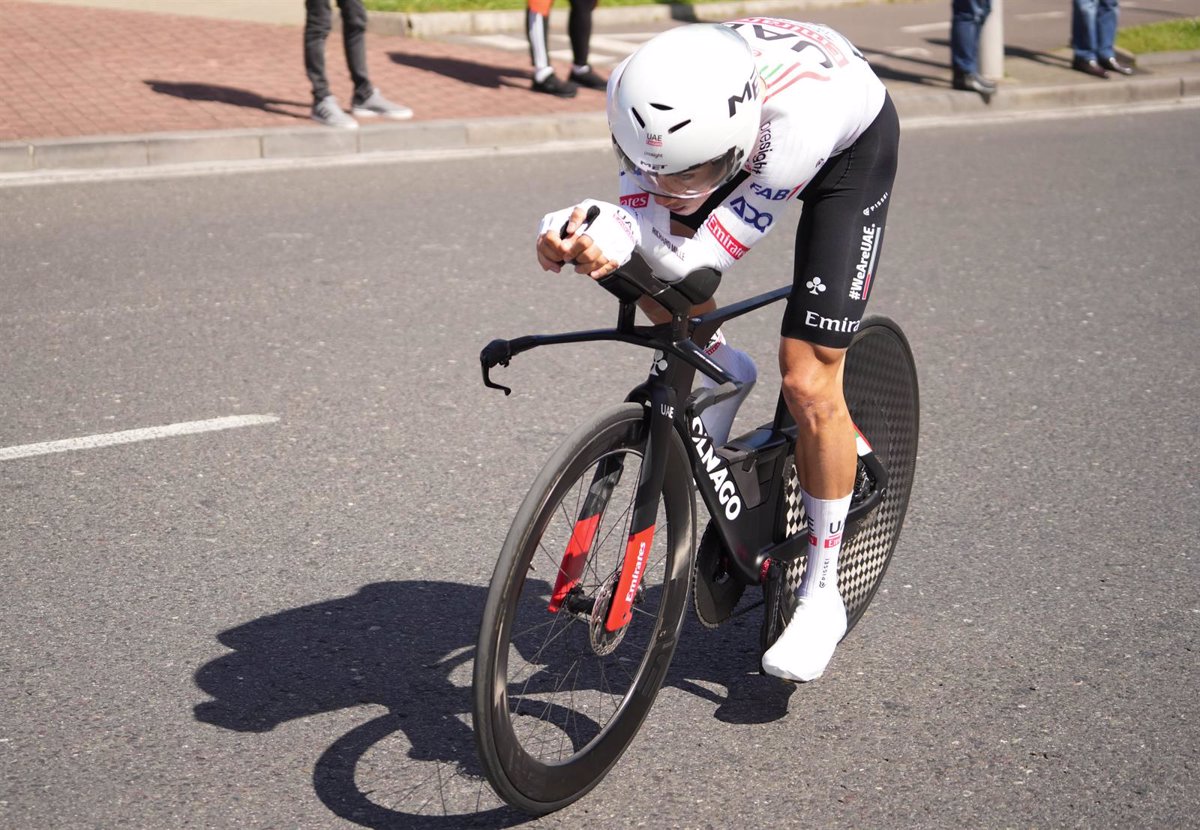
<point x="557" y="243"/>
<point x="567" y="236"/>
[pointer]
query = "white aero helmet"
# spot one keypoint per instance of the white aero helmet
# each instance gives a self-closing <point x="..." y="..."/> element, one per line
<point x="684" y="110"/>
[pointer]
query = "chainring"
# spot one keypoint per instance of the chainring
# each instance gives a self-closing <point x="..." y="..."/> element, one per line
<point x="716" y="592"/>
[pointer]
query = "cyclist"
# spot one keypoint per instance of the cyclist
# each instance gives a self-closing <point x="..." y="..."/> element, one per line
<point x="716" y="127"/>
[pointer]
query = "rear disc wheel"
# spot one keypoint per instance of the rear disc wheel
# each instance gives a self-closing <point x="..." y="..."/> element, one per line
<point x="880" y="386"/>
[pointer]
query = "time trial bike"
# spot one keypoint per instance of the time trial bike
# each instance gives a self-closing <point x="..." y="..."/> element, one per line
<point x="588" y="597"/>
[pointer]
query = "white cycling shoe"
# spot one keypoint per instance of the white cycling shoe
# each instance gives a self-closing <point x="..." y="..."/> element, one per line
<point x="806" y="646"/>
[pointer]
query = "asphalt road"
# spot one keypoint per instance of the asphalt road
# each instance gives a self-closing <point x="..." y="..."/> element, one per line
<point x="272" y="625"/>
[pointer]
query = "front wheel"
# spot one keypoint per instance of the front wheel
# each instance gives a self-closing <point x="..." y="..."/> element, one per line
<point x="558" y="695"/>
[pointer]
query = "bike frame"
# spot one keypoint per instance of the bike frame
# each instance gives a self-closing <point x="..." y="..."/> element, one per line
<point x="740" y="483"/>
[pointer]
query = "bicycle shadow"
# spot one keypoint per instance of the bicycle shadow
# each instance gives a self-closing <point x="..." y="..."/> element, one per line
<point x="233" y="96"/>
<point x="408" y="646"/>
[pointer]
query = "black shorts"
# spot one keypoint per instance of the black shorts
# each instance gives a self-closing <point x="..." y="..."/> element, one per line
<point x="840" y="235"/>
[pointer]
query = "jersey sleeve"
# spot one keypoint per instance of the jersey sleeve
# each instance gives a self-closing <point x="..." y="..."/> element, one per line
<point x="724" y="238"/>
<point x="748" y="213"/>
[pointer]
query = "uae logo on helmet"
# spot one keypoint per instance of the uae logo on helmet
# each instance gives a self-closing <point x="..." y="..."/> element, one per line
<point x="653" y="140"/>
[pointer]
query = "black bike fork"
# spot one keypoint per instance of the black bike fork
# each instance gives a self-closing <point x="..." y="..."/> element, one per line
<point x="660" y="402"/>
<point x="587" y="524"/>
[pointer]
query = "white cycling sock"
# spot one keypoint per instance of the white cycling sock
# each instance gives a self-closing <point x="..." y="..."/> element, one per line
<point x="826" y="521"/>
<point x="718" y="418"/>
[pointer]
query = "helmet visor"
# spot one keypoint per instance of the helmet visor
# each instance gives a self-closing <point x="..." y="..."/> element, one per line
<point x="696" y="181"/>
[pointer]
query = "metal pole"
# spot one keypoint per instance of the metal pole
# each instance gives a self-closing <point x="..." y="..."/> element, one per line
<point x="991" y="43"/>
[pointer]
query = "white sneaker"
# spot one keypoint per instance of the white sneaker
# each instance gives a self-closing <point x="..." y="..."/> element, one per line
<point x="329" y="112"/>
<point x="806" y="646"/>
<point x="378" y="106"/>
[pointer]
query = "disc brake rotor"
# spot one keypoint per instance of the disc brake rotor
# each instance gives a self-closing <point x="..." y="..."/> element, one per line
<point x="604" y="641"/>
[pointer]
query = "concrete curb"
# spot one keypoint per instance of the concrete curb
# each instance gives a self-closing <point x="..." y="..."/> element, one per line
<point x="437" y="24"/>
<point x="165" y="149"/>
<point x="156" y="149"/>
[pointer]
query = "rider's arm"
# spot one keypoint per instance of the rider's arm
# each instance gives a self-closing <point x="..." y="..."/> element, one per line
<point x="726" y="235"/>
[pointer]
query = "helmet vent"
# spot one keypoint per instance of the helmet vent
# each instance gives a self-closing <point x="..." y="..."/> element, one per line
<point x="641" y="121"/>
<point x="662" y="107"/>
<point x="680" y="126"/>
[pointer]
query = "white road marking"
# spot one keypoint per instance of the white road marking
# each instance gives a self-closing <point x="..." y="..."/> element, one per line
<point x="508" y="43"/>
<point x="618" y="44"/>
<point x="108" y="439"/>
<point x="925" y="27"/>
<point x="594" y="58"/>
<point x="905" y="52"/>
<point x="1042" y="16"/>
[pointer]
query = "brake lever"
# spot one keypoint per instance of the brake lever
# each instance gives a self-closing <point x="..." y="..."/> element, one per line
<point x="593" y="213"/>
<point x="496" y="353"/>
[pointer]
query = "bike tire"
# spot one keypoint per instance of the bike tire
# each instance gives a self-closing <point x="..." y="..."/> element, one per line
<point x="551" y="715"/>
<point x="881" y="390"/>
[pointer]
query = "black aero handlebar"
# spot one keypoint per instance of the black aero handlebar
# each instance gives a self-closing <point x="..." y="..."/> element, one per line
<point x="630" y="283"/>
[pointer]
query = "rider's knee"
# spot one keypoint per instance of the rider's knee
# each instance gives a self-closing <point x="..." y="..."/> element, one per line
<point x="811" y="405"/>
<point x="811" y="384"/>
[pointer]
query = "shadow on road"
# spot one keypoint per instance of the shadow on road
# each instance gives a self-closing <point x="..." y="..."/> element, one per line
<point x="469" y="72"/>
<point x="229" y="95"/>
<point x="409" y="647"/>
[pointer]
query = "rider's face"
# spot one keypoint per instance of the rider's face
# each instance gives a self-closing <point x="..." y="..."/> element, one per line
<point x="696" y="181"/>
<point x="684" y="207"/>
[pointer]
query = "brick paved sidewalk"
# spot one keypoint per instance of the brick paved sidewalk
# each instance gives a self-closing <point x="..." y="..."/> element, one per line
<point x="69" y="71"/>
<point x="88" y="87"/>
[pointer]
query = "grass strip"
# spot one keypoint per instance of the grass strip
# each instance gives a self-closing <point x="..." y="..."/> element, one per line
<point x="1167" y="36"/>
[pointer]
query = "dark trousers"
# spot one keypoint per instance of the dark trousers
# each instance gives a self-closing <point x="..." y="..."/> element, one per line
<point x="966" y="19"/>
<point x="317" y="23"/>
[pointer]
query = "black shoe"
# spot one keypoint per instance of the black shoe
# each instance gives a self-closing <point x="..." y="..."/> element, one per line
<point x="971" y="82"/>
<point x="1087" y="67"/>
<point x="553" y="86"/>
<point x="1113" y="65"/>
<point x="588" y="78"/>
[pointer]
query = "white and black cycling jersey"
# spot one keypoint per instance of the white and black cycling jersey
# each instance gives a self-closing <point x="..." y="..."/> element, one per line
<point x="819" y="95"/>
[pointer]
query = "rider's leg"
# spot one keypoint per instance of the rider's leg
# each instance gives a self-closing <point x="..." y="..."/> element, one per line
<point x="812" y="389"/>
<point x="717" y="419"/>
<point x="838" y="243"/>
<point x="537" y="24"/>
<point x="579" y="30"/>
<point x="826" y="461"/>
